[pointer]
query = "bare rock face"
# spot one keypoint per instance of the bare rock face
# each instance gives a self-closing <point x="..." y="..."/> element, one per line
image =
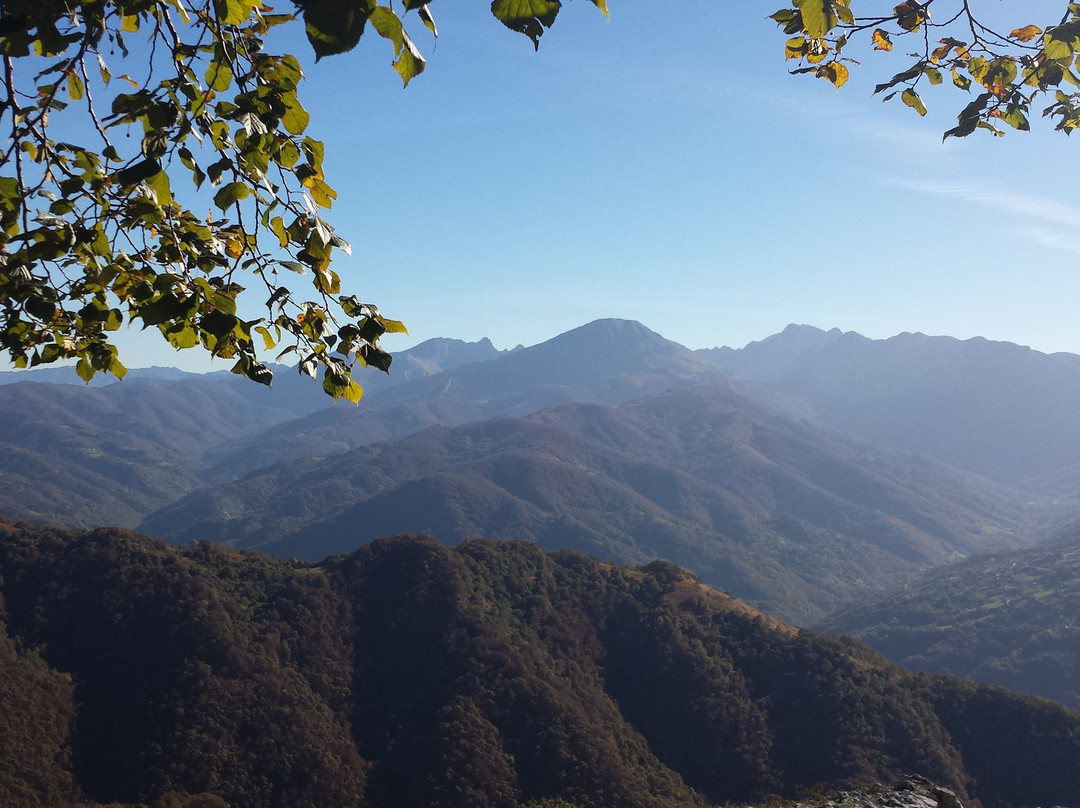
<point x="913" y="791"/>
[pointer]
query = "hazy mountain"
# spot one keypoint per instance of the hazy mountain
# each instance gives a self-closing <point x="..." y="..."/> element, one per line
<point x="409" y="674"/>
<point x="604" y="362"/>
<point x="1001" y="410"/>
<point x="1008" y="619"/>
<point x="778" y="512"/>
<point x="111" y="453"/>
<point x="66" y="374"/>
<point x="773" y="357"/>
<point x="439" y="354"/>
<point x="108" y="455"/>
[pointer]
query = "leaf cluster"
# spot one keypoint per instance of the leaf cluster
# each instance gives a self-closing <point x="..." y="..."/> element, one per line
<point x="168" y="108"/>
<point x="1007" y="73"/>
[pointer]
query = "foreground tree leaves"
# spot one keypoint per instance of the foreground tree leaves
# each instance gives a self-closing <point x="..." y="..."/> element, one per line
<point x="1008" y="71"/>
<point x="172" y="108"/>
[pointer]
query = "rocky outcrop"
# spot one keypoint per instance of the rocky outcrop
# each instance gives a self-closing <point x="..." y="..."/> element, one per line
<point x="913" y="791"/>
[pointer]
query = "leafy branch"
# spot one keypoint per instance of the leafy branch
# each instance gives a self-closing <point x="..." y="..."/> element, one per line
<point x="1007" y="72"/>
<point x="93" y="231"/>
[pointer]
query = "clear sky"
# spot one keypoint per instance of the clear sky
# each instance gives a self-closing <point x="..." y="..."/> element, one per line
<point x="663" y="166"/>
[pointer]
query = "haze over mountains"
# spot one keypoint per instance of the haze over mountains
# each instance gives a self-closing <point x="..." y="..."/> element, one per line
<point x="997" y="409"/>
<point x="609" y="439"/>
<point x="786" y="516"/>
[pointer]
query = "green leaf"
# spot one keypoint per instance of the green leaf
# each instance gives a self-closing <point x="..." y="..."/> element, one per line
<point x="410" y="63"/>
<point x="159" y="183"/>
<point x="961" y="81"/>
<point x="911" y="98"/>
<point x="218" y="323"/>
<point x="85" y="369"/>
<point x="529" y="17"/>
<point x="352" y="392"/>
<point x="233" y="12"/>
<point x="268" y="341"/>
<point x="75" y="86"/>
<point x="138" y="172"/>
<point x="219" y="75"/>
<point x="818" y="17"/>
<point x="296" y="118"/>
<point x="181" y="335"/>
<point x="389" y="26"/>
<point x="231" y="194"/>
<point x="335" y="384"/>
<point x="335" y="26"/>
<point x="1015" y="118"/>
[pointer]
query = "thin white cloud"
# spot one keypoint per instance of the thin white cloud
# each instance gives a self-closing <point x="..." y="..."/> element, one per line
<point x="1040" y="219"/>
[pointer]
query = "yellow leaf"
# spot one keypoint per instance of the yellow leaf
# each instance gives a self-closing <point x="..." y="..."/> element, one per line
<point x="234" y="247"/>
<point x="352" y="392"/>
<point x="881" y="40"/>
<point x="796" y="48"/>
<point x="1026" y="34"/>
<point x="834" y="72"/>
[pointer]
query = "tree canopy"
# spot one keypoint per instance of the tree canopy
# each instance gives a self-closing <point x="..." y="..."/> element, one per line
<point x="1004" y="74"/>
<point x="124" y="118"/>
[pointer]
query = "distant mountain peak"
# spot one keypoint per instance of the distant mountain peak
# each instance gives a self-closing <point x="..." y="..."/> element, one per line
<point x="775" y="355"/>
<point x="613" y="346"/>
<point x="612" y="328"/>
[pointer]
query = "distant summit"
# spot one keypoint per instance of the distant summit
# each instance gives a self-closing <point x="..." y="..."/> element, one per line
<point x="998" y="409"/>
<point x="773" y="356"/>
<point x="439" y="354"/>
<point x="605" y="348"/>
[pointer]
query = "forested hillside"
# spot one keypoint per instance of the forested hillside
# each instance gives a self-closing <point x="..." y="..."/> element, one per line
<point x="1007" y="618"/>
<point x="407" y="674"/>
<point x="778" y="512"/>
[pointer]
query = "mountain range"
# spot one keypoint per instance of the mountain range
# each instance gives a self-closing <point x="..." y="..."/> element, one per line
<point x="608" y="439"/>
<point x="911" y="491"/>
<point x="789" y="517"/>
<point x="1000" y="410"/>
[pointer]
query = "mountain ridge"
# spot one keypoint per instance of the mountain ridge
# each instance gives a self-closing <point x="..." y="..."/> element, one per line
<point x="995" y="408"/>
<point x="753" y="502"/>
<point x="408" y="673"/>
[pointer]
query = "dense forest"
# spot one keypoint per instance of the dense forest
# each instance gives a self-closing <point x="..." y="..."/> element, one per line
<point x="408" y="673"/>
<point x="1006" y="618"/>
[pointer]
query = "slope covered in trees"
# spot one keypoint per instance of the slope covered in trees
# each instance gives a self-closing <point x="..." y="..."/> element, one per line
<point x="778" y="512"/>
<point x="407" y="673"/>
<point x="1007" y="618"/>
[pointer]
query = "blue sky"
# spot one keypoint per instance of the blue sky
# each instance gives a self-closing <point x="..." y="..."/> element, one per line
<point x="663" y="166"/>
